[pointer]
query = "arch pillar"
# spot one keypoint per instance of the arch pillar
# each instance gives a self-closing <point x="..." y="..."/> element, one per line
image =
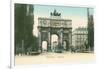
<point x="49" y="41"/>
<point x="40" y="42"/>
<point x="60" y="39"/>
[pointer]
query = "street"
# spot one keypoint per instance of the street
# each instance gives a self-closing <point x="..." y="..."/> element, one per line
<point x="55" y="58"/>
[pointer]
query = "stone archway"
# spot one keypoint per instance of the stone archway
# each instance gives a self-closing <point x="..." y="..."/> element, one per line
<point x="44" y="46"/>
<point x="54" y="42"/>
<point x="66" y="45"/>
<point x="54" y="25"/>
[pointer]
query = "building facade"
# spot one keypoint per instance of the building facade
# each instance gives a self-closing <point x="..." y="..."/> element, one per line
<point x="80" y="38"/>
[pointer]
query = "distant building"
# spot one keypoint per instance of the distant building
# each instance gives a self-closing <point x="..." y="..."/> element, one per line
<point x="79" y="37"/>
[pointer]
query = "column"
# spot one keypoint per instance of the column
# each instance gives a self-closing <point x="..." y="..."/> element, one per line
<point x="61" y="38"/>
<point x="49" y="42"/>
<point x="40" y="46"/>
<point x="70" y="39"/>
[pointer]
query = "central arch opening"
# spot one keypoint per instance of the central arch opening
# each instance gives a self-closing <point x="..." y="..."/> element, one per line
<point x="44" y="46"/>
<point x="54" y="42"/>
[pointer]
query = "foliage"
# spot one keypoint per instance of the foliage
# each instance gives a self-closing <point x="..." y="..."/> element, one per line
<point x="24" y="20"/>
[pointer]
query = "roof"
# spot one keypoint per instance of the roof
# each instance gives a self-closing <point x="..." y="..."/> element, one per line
<point x="80" y="30"/>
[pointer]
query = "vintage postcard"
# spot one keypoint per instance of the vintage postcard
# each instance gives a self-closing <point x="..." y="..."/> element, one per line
<point x="46" y="34"/>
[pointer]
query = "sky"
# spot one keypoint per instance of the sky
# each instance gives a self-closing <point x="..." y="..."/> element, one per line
<point x="78" y="15"/>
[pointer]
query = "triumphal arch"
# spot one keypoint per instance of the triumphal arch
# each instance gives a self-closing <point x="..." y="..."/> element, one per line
<point x="55" y="25"/>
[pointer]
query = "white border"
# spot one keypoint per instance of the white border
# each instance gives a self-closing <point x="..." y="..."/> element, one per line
<point x="60" y="3"/>
<point x="12" y="37"/>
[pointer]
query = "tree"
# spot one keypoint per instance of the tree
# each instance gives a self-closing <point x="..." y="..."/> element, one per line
<point x="24" y="20"/>
<point x="90" y="31"/>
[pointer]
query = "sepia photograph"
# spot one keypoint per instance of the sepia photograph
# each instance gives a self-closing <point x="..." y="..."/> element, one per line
<point x="47" y="34"/>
